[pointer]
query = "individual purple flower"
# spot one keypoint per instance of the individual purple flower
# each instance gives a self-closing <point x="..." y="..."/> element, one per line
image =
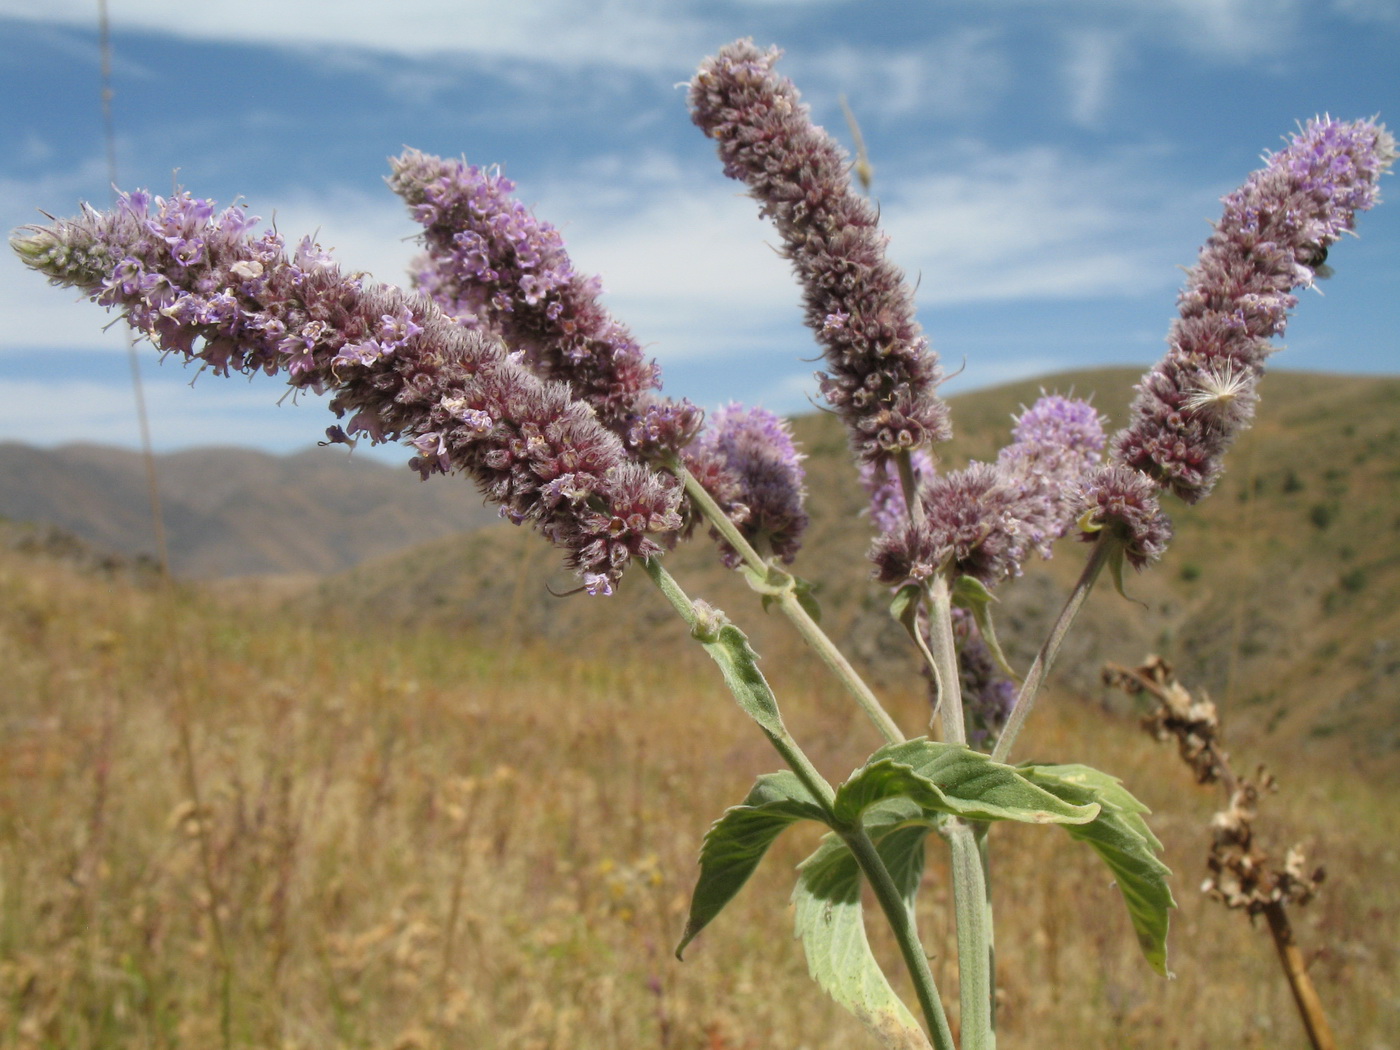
<point x="882" y="377"/>
<point x="766" y="499"/>
<point x="492" y="264"/>
<point x="1271" y="239"/>
<point x="198" y="283"/>
<point x="1122" y="503"/>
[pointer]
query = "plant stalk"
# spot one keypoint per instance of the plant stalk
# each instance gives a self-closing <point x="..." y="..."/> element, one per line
<point x="902" y="923"/>
<point x="1304" y="992"/>
<point x="1040" y="668"/>
<point x="974" y="937"/>
<point x="791" y="605"/>
<point x="857" y="839"/>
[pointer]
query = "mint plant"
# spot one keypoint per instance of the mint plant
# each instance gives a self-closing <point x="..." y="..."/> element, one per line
<point x="502" y="364"/>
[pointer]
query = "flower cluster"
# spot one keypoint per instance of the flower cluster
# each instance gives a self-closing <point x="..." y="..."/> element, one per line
<point x="763" y="492"/>
<point x="883" y="376"/>
<point x="985" y="520"/>
<point x="1271" y="239"/>
<point x="1122" y="502"/>
<point x="197" y="282"/>
<point x="491" y="264"/>
<point x="1055" y="444"/>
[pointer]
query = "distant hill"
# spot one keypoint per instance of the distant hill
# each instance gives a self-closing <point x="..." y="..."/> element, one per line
<point x="235" y="512"/>
<point x="1280" y="594"/>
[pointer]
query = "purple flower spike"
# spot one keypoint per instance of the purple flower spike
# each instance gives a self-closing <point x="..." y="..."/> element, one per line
<point x="196" y="282"/>
<point x="765" y="497"/>
<point x="883" y="377"/>
<point x="1272" y="239"/>
<point x="492" y="265"/>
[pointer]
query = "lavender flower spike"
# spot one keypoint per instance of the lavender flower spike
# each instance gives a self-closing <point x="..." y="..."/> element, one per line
<point x="883" y="375"/>
<point x="198" y="283"/>
<point x="1272" y="239"/>
<point x="755" y="448"/>
<point x="492" y="265"/>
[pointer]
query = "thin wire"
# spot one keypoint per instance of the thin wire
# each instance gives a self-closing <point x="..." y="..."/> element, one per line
<point x="109" y="135"/>
<point x="179" y="648"/>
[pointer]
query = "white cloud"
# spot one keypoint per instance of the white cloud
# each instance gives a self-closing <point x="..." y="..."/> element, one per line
<point x="1375" y="12"/>
<point x="56" y="411"/>
<point x="1034" y="224"/>
<point x="1091" y="61"/>
<point x="627" y="33"/>
<point x="959" y="72"/>
<point x="1226" y="30"/>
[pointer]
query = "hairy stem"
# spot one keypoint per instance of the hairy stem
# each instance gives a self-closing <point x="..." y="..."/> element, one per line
<point x="782" y="586"/>
<point x="773" y="728"/>
<point x="974" y="937"/>
<point x="945" y="658"/>
<point x="902" y="923"/>
<point x="1040" y="668"/>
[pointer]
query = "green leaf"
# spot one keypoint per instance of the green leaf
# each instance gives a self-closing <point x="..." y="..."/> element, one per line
<point x="1123" y="840"/>
<point x="736" y="843"/>
<point x="971" y="594"/>
<point x="953" y="779"/>
<point x="906" y="602"/>
<point x="830" y="922"/>
<point x="729" y="647"/>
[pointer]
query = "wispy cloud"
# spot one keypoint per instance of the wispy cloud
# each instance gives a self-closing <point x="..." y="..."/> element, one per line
<point x="1091" y="60"/>
<point x="1036" y="223"/>
<point x="958" y="72"/>
<point x="218" y="411"/>
<point x="626" y="33"/>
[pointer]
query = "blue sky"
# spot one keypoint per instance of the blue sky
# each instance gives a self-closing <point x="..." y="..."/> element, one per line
<point x="1043" y="168"/>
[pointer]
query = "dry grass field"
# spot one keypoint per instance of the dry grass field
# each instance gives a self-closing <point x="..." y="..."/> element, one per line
<point x="226" y="825"/>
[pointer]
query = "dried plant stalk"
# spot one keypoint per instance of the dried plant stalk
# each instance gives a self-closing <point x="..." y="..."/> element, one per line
<point x="1241" y="875"/>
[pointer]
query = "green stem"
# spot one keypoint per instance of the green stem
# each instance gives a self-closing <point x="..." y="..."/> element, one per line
<point x="837" y="663"/>
<point x="945" y="658"/>
<point x="981" y="831"/>
<point x="974" y="937"/>
<point x="782" y="586"/>
<point x="771" y="725"/>
<point x="902" y="923"/>
<point x="866" y="855"/>
<point x="970" y="894"/>
<point x="1035" y="677"/>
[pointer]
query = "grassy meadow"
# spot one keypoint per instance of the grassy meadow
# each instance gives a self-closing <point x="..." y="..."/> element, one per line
<point x="226" y="823"/>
